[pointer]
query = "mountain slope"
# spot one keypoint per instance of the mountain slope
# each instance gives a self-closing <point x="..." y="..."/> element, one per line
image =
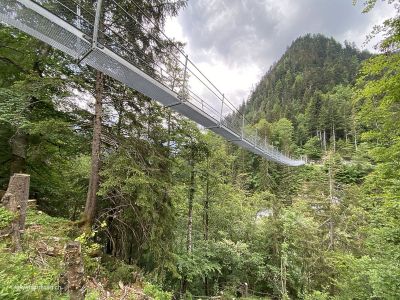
<point x="313" y="63"/>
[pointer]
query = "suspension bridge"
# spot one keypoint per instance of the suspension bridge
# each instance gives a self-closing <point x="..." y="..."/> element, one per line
<point x="88" y="35"/>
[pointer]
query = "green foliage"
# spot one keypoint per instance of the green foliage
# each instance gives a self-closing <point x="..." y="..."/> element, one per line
<point x="328" y="230"/>
<point x="30" y="275"/>
<point x="147" y="208"/>
<point x="352" y="173"/>
<point x="117" y="271"/>
<point x="376" y="273"/>
<point x="365" y="277"/>
<point x="86" y="240"/>
<point x="49" y="225"/>
<point x="5" y="217"/>
<point x="317" y="295"/>
<point x="313" y="65"/>
<point x="22" y="280"/>
<point x="312" y="148"/>
<point x="310" y="87"/>
<point x="92" y="295"/>
<point x="282" y="134"/>
<point x="13" y="108"/>
<point x="156" y="293"/>
<point x="231" y="262"/>
<point x="236" y="260"/>
<point x="196" y="265"/>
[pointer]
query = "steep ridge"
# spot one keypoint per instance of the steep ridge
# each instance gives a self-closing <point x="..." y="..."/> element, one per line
<point x="313" y="63"/>
<point x="307" y="94"/>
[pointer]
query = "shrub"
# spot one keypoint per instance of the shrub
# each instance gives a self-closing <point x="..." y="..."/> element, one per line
<point x="156" y="293"/>
<point x="313" y="148"/>
<point x="5" y="217"/>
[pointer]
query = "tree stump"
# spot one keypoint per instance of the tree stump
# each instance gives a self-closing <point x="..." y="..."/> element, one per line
<point x="16" y="201"/>
<point x="245" y="290"/>
<point x="19" y="187"/>
<point x="74" y="276"/>
<point x="12" y="206"/>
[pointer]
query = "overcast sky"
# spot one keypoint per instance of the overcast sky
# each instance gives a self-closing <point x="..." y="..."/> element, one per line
<point x="234" y="42"/>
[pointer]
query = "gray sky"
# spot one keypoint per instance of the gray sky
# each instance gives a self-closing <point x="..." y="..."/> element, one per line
<point x="234" y="42"/>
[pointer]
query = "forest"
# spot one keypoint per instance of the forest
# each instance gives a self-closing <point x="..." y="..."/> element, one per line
<point x="164" y="209"/>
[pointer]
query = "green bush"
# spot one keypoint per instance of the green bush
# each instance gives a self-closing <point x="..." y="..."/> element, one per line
<point x="5" y="217"/>
<point x="352" y="173"/>
<point x="22" y="280"/>
<point x="312" y="148"/>
<point x="26" y="275"/>
<point x="116" y="270"/>
<point x="317" y="295"/>
<point x="92" y="295"/>
<point x="156" y="293"/>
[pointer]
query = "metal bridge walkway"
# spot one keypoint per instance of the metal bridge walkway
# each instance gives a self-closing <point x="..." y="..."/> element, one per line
<point x="75" y="30"/>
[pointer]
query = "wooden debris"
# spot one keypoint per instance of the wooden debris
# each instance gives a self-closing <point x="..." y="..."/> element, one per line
<point x="74" y="278"/>
<point x="32" y="203"/>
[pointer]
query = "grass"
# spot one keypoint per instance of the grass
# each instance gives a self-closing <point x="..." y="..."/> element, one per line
<point x="34" y="273"/>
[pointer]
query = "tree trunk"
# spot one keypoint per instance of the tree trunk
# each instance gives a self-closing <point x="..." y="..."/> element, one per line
<point x="283" y="278"/>
<point x="320" y="138"/>
<point x="189" y="241"/>
<point x="355" y="136"/>
<point x="334" y="137"/>
<point x="206" y="220"/>
<point x="355" y="141"/>
<point x="189" y="245"/>
<point x="354" y="132"/>
<point x="90" y="207"/>
<point x="331" y="204"/>
<point x="19" y="144"/>
<point x="120" y="116"/>
<point x="207" y="202"/>
<point x="331" y="221"/>
<point x="206" y="207"/>
<point x="169" y="133"/>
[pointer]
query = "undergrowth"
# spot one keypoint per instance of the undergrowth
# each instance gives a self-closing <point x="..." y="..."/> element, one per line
<point x="34" y="273"/>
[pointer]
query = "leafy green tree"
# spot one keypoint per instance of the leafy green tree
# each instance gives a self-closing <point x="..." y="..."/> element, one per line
<point x="38" y="138"/>
<point x="313" y="148"/>
<point x="378" y="91"/>
<point x="282" y="134"/>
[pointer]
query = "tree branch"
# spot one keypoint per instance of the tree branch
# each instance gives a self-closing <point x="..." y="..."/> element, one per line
<point x="7" y="60"/>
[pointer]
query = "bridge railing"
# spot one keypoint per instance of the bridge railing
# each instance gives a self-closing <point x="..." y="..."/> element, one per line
<point x="149" y="49"/>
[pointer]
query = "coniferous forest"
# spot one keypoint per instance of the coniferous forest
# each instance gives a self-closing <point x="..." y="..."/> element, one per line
<point x="164" y="209"/>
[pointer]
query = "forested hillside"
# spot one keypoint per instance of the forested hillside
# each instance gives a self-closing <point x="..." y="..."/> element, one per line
<point x="164" y="209"/>
<point x="312" y="64"/>
<point x="310" y="86"/>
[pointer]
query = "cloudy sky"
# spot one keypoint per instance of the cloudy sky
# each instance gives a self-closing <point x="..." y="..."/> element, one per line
<point x="234" y="42"/>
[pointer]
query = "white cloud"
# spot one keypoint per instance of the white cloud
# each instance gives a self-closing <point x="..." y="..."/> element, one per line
<point x="174" y="29"/>
<point x="234" y="42"/>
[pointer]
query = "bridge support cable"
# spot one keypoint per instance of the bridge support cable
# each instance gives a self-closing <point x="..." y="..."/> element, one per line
<point x="60" y="24"/>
